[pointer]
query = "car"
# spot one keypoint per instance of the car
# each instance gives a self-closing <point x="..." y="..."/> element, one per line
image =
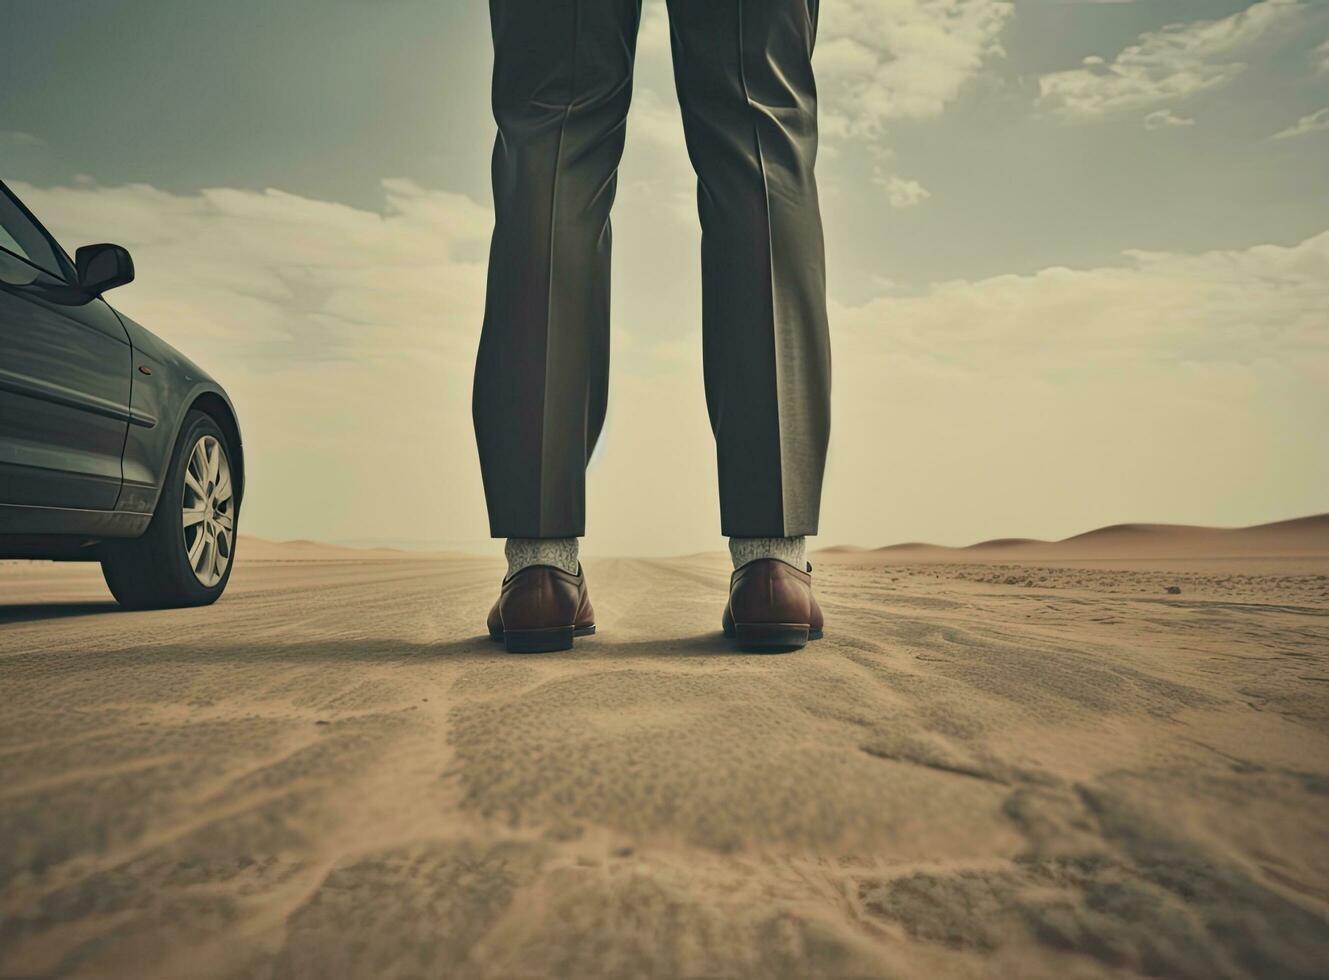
<point x="114" y="446"/>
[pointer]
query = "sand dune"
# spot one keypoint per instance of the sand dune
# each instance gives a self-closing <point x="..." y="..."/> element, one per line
<point x="332" y="773"/>
<point x="1301" y="537"/>
<point x="252" y="548"/>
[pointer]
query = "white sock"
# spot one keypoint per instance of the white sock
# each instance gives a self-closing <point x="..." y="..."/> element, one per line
<point x="524" y="552"/>
<point x="789" y="550"/>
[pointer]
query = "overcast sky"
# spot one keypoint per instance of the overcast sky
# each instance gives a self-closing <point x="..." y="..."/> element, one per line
<point x="1079" y="256"/>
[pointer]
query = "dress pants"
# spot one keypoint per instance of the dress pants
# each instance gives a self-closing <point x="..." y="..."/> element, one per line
<point x="561" y="88"/>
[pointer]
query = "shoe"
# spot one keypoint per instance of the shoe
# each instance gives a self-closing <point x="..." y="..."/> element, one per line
<point x="771" y="608"/>
<point x="540" y="609"/>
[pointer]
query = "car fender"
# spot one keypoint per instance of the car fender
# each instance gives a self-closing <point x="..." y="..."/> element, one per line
<point x="166" y="386"/>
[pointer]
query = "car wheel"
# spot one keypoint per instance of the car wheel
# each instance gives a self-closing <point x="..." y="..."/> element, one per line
<point x="185" y="556"/>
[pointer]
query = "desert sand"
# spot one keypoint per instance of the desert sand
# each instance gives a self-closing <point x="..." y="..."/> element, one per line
<point x="1014" y="760"/>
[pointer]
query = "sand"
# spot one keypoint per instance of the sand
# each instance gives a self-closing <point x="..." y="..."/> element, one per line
<point x="988" y="767"/>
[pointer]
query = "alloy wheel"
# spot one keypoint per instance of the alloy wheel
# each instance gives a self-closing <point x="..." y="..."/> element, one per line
<point x="208" y="511"/>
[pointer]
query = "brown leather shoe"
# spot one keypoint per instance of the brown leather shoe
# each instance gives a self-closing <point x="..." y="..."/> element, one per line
<point x="771" y="607"/>
<point x="541" y="608"/>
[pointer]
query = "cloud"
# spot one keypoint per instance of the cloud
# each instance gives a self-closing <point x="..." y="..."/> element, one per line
<point x="1168" y="65"/>
<point x="1168" y="386"/>
<point x="900" y="192"/>
<point x="345" y="336"/>
<point x="301" y="276"/>
<point x="1233" y="306"/>
<point x="655" y="119"/>
<point x="1315" y="122"/>
<point x="15" y="137"/>
<point x="655" y="169"/>
<point x="1166" y="119"/>
<point x="881" y="60"/>
<point x="876" y="61"/>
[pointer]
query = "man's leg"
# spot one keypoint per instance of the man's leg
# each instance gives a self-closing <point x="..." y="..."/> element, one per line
<point x="562" y="84"/>
<point x="561" y="88"/>
<point x="744" y="77"/>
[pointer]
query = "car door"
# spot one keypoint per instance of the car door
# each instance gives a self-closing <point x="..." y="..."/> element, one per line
<point x="65" y="364"/>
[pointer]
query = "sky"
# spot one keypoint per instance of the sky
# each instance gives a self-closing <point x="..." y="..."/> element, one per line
<point x="1078" y="257"/>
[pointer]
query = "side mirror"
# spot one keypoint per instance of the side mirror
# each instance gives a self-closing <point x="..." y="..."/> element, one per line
<point x="103" y="267"/>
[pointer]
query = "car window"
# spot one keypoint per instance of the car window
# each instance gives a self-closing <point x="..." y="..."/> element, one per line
<point x="7" y="241"/>
<point x="24" y="237"/>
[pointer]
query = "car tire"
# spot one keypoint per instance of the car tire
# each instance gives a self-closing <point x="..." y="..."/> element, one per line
<point x="186" y="555"/>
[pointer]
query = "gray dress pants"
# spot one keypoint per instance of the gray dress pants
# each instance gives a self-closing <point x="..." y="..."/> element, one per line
<point x="561" y="88"/>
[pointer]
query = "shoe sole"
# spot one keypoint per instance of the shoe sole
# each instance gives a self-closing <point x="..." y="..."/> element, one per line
<point x="545" y="640"/>
<point x="773" y="637"/>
